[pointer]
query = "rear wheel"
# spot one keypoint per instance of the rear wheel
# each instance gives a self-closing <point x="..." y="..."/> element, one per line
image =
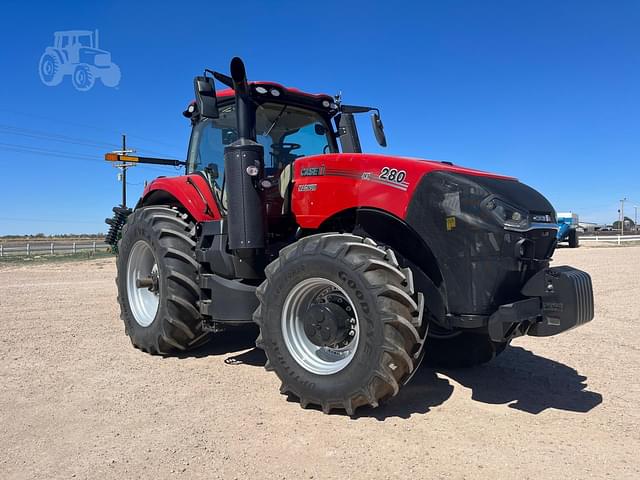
<point x="339" y="322"/>
<point x="157" y="281"/>
<point x="49" y="70"/>
<point x="459" y="349"/>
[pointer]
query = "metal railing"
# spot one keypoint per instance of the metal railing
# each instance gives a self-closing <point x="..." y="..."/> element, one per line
<point x="50" y="248"/>
<point x="617" y="239"/>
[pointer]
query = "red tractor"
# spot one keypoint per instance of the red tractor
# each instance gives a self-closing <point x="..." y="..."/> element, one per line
<point x="354" y="266"/>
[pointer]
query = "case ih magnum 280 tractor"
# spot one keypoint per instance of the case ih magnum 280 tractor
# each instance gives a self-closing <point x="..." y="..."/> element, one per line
<point x="354" y="266"/>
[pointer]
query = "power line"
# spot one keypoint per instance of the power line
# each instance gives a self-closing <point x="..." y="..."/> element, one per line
<point x="82" y="125"/>
<point x="45" y="151"/>
<point x="25" y="132"/>
<point x="38" y="134"/>
<point x="16" y="148"/>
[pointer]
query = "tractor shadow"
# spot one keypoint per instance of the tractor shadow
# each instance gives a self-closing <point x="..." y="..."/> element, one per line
<point x="518" y="378"/>
<point x="425" y="391"/>
<point x="527" y="382"/>
<point x="229" y="342"/>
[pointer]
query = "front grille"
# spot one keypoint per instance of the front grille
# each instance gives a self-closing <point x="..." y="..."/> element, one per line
<point x="544" y="241"/>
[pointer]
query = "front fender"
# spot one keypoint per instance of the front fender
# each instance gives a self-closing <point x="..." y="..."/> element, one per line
<point x="191" y="192"/>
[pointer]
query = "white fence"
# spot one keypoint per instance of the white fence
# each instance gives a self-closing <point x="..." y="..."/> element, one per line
<point x="617" y="239"/>
<point x="50" y="248"/>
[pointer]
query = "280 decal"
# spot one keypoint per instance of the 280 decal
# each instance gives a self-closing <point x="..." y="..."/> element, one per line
<point x="393" y="175"/>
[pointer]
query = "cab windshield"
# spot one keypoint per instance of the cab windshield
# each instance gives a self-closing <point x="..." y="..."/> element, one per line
<point x="286" y="133"/>
<point x="85" y="40"/>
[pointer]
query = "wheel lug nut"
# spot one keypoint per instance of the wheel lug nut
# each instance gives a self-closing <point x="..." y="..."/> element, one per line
<point x="352" y="333"/>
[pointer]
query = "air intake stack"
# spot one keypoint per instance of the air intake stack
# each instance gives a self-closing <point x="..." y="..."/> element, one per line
<point x="244" y="166"/>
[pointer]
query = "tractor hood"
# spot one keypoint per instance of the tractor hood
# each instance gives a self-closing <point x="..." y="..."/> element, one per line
<point x="100" y="58"/>
<point x="399" y="184"/>
<point x="426" y="166"/>
<point x="416" y="167"/>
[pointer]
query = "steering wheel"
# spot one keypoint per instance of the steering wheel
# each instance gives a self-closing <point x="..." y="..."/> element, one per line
<point x="284" y="148"/>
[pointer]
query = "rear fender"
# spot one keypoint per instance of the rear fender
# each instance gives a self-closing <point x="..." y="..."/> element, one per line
<point x="191" y="192"/>
<point x="61" y="55"/>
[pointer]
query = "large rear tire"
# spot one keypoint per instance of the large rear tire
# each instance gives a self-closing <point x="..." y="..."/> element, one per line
<point x="157" y="281"/>
<point x="363" y="360"/>
<point x="49" y="69"/>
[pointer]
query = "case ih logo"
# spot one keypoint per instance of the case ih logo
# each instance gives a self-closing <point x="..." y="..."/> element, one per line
<point x="76" y="53"/>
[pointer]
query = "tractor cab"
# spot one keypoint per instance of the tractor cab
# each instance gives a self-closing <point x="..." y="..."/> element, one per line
<point x="285" y="129"/>
<point x="286" y="122"/>
<point x="81" y="38"/>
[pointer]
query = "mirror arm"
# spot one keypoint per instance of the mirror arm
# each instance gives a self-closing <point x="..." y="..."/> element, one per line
<point x="222" y="78"/>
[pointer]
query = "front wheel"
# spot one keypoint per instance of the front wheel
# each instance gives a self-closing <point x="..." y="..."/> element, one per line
<point x="83" y="78"/>
<point x="574" y="239"/>
<point x="339" y="322"/>
<point x="110" y="77"/>
<point x="157" y="281"/>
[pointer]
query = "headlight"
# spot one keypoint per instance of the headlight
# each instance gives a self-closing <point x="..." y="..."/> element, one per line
<point x="511" y="217"/>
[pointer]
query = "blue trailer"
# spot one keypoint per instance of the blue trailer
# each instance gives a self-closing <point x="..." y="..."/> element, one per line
<point x="568" y="228"/>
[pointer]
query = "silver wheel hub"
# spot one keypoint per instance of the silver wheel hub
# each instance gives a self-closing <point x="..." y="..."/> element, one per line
<point x="143" y="283"/>
<point x="320" y="326"/>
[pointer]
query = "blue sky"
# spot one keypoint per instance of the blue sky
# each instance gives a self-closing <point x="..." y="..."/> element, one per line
<point x="547" y="91"/>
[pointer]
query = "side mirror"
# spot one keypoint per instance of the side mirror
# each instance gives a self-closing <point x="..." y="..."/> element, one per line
<point x="378" y="129"/>
<point x="206" y="100"/>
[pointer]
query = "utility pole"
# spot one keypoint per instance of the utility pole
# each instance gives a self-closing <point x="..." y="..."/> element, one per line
<point x="124" y="172"/>
<point x="123" y="167"/>
<point x="622" y="215"/>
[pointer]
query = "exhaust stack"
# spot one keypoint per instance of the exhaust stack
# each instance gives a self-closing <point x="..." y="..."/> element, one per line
<point x="244" y="167"/>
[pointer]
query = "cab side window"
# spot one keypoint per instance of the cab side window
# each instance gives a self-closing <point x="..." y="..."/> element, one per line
<point x="207" y="145"/>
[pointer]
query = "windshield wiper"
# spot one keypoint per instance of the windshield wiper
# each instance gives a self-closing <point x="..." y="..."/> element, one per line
<point x="275" y="121"/>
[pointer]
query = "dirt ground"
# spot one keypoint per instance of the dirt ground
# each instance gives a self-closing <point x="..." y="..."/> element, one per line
<point x="77" y="400"/>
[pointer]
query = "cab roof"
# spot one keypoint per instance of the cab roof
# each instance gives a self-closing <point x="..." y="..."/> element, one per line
<point x="75" y="32"/>
<point x="228" y="92"/>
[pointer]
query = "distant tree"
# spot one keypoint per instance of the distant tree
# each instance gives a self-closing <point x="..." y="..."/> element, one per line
<point x="628" y="224"/>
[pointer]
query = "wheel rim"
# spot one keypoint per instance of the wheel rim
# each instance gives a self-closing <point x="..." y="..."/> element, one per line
<point x="48" y="68"/>
<point x="81" y="78"/>
<point x="143" y="284"/>
<point x="321" y="360"/>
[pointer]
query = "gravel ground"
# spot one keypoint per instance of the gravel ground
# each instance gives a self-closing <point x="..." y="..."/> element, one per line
<point x="76" y="400"/>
